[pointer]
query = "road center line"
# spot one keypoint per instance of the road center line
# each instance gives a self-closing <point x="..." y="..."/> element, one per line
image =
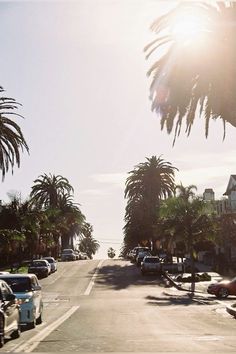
<point x="91" y="283"/>
<point x="34" y="341"/>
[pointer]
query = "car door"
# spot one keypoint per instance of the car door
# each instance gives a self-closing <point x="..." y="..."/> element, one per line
<point x="36" y="295"/>
<point x="10" y="307"/>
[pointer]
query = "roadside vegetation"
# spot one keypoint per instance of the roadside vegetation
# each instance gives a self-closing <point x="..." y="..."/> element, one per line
<point x="48" y="221"/>
<point x="171" y="218"/>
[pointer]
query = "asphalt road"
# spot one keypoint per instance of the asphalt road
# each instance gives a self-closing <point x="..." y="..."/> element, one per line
<point x="108" y="306"/>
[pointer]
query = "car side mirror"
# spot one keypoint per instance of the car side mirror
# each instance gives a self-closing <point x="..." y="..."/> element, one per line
<point x="10" y="297"/>
<point x="36" y="287"/>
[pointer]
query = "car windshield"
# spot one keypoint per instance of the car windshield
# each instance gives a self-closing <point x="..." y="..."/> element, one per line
<point x="19" y="285"/>
<point x="38" y="264"/>
<point x="152" y="260"/>
<point x="67" y="251"/>
<point x="50" y="260"/>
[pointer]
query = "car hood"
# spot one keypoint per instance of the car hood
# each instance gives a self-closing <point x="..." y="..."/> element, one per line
<point x="226" y="282"/>
<point x="22" y="295"/>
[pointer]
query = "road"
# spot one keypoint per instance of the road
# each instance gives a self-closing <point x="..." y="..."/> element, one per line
<point x="94" y="306"/>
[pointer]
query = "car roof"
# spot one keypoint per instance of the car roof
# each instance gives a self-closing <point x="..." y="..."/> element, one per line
<point x="39" y="260"/>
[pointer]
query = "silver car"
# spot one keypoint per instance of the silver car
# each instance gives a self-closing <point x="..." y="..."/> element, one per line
<point x="9" y="314"/>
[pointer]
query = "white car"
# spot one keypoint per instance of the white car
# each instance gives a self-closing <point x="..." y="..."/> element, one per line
<point x="52" y="262"/>
<point x="28" y="292"/>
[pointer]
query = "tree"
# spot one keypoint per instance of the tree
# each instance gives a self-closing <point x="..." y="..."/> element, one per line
<point x="147" y="185"/>
<point x="111" y="252"/>
<point x="12" y="140"/>
<point x="48" y="190"/>
<point x="188" y="221"/>
<point x="88" y="244"/>
<point x="195" y="67"/>
<point x="185" y="192"/>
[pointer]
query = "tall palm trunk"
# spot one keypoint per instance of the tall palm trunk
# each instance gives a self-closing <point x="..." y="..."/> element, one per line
<point x="192" y="262"/>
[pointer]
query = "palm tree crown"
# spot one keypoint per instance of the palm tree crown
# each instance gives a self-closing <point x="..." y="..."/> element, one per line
<point x="11" y="137"/>
<point x="185" y="192"/>
<point x="50" y="190"/>
<point x="153" y="179"/>
<point x="197" y="76"/>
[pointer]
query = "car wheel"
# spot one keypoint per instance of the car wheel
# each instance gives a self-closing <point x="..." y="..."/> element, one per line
<point x="1" y="332"/>
<point x="222" y="293"/>
<point x="39" y="319"/>
<point x="16" y="333"/>
<point x="32" y="324"/>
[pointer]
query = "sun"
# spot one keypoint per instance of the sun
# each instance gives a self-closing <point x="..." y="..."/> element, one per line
<point x="186" y="28"/>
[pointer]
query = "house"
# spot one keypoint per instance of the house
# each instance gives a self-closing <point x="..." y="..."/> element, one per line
<point x="231" y="194"/>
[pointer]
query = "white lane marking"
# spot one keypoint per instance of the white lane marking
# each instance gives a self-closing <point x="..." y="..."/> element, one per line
<point x="91" y="283"/>
<point x="34" y="341"/>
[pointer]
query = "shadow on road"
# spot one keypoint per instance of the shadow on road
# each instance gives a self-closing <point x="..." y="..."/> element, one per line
<point x="122" y="276"/>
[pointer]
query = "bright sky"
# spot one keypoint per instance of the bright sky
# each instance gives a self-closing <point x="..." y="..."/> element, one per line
<point x="79" y="70"/>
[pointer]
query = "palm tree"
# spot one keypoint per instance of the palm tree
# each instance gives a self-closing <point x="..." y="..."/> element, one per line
<point x="48" y="190"/>
<point x="194" y="76"/>
<point x="185" y="192"/>
<point x="12" y="140"/>
<point x="188" y="221"/>
<point x="147" y="185"/>
<point x="88" y="244"/>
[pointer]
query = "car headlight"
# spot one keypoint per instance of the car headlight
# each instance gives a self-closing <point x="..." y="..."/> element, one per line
<point x="23" y="301"/>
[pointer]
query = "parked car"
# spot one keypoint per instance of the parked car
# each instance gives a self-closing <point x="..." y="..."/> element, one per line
<point x="151" y="264"/>
<point x="83" y="255"/>
<point x="28" y="292"/>
<point x="9" y="313"/>
<point x="141" y="255"/>
<point x="134" y="252"/>
<point x="223" y="289"/>
<point x="40" y="267"/>
<point x="77" y="255"/>
<point x="68" y="255"/>
<point x="52" y="262"/>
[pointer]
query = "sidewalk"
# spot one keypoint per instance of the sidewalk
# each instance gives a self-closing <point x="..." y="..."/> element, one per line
<point x="200" y="293"/>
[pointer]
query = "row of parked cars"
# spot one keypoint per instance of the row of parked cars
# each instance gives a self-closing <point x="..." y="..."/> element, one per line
<point x="69" y="254"/>
<point x="20" y="303"/>
<point x="148" y="263"/>
<point x="21" y="300"/>
<point x="43" y="267"/>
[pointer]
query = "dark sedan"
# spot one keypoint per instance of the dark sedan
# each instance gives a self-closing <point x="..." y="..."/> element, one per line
<point x="40" y="267"/>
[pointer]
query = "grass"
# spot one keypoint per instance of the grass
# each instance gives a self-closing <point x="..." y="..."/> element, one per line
<point x="22" y="269"/>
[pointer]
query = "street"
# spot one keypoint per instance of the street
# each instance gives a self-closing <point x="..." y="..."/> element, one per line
<point x="108" y="306"/>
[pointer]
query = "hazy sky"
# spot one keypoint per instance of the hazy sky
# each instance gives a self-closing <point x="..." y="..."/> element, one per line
<point x="79" y="70"/>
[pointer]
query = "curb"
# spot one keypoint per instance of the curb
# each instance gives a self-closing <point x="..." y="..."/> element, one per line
<point x="231" y="310"/>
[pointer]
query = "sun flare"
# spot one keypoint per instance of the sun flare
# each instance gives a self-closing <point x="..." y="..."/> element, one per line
<point x="189" y="28"/>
